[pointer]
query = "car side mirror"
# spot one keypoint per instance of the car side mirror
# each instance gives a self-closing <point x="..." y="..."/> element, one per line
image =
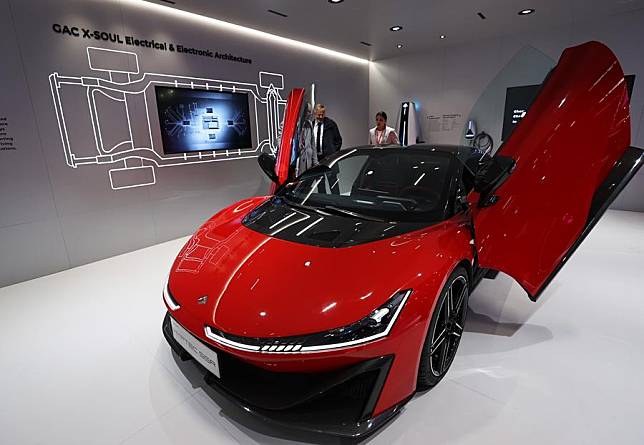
<point x="489" y="177"/>
<point x="267" y="164"/>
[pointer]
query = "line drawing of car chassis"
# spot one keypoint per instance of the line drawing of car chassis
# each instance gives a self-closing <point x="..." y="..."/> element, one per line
<point x="133" y="160"/>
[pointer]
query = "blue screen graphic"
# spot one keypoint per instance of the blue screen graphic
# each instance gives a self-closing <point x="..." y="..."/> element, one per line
<point x="200" y="120"/>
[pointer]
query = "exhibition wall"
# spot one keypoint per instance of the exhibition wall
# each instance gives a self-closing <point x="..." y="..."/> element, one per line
<point x="82" y="168"/>
<point x="452" y="83"/>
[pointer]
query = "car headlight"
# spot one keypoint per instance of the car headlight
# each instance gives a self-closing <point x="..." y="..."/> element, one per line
<point x="168" y="298"/>
<point x="372" y="327"/>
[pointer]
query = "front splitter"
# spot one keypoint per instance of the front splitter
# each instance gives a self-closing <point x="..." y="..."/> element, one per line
<point x="348" y="429"/>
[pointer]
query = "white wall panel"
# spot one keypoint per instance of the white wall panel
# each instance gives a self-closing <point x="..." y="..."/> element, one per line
<point x="89" y="218"/>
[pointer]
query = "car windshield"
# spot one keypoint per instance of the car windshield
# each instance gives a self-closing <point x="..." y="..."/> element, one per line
<point x="393" y="184"/>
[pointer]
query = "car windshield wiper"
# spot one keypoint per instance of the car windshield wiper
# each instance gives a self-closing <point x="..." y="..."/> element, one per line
<point x="345" y="212"/>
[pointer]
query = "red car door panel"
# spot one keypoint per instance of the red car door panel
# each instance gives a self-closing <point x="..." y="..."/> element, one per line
<point x="573" y="156"/>
<point x="289" y="130"/>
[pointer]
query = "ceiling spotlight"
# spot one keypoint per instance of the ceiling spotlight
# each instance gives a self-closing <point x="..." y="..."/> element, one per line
<point x="395" y="28"/>
<point x="526" y="11"/>
<point x="443" y="36"/>
<point x="335" y="1"/>
<point x="400" y="45"/>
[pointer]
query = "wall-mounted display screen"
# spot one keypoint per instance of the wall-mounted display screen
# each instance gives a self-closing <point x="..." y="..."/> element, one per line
<point x="201" y="120"/>
<point x="517" y="102"/>
<point x="519" y="99"/>
<point x="630" y="83"/>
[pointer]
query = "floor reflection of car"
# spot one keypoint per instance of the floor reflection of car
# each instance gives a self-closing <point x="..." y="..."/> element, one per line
<point x="328" y="310"/>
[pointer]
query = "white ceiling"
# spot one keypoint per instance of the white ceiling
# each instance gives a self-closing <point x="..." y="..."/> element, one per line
<point x="342" y="26"/>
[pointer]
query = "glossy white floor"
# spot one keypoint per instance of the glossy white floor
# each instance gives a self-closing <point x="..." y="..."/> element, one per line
<point x="83" y="360"/>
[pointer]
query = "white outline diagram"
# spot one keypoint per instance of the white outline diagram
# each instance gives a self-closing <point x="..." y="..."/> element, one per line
<point x="119" y="85"/>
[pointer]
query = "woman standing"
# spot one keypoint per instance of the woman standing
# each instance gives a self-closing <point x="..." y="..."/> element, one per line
<point x="381" y="134"/>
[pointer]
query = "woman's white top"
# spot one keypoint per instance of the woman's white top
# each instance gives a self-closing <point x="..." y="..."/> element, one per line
<point x="386" y="137"/>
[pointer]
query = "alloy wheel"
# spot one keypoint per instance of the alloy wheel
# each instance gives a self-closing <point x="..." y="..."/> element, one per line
<point x="449" y="327"/>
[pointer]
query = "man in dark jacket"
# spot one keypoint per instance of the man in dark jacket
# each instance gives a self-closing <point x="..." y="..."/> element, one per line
<point x="327" y="141"/>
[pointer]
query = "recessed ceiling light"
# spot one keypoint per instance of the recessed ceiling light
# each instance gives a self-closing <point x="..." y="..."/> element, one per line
<point x="281" y="14"/>
<point x="400" y="45"/>
<point x="443" y="36"/>
<point x="395" y="28"/>
<point x="526" y="11"/>
<point x="336" y="1"/>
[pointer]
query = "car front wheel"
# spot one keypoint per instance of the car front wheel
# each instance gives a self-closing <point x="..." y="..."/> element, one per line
<point x="445" y="330"/>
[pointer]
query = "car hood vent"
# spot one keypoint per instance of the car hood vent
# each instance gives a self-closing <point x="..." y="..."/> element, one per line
<point x="327" y="236"/>
<point x="278" y="219"/>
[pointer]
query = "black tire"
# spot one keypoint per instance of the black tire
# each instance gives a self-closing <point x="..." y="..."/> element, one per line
<point x="445" y="330"/>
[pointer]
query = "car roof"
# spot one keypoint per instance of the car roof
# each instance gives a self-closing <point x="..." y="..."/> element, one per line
<point x="462" y="152"/>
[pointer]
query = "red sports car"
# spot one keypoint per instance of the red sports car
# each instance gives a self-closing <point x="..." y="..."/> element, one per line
<point x="328" y="304"/>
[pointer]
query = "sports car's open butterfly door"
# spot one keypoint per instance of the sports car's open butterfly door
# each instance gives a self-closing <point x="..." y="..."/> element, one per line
<point x="287" y="150"/>
<point x="282" y="167"/>
<point x="566" y="161"/>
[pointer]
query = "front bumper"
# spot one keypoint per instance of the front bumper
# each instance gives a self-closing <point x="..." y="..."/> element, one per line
<point x="339" y="402"/>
